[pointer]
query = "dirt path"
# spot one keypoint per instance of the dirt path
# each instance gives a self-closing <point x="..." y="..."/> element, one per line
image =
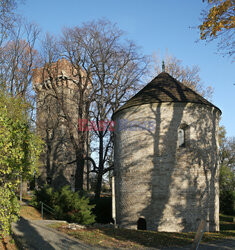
<point x="34" y="234"/>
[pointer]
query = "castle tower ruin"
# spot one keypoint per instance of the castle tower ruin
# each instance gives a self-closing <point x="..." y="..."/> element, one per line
<point x="56" y="87"/>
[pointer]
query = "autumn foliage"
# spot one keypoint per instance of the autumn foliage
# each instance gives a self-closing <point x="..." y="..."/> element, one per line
<point x="220" y="16"/>
<point x="219" y="21"/>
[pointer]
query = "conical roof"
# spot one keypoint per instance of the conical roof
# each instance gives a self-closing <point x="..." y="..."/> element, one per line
<point x="165" y="88"/>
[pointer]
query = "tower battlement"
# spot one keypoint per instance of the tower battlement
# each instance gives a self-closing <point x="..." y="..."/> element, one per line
<point x="60" y="70"/>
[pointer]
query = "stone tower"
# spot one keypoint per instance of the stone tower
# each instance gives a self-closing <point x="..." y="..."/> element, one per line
<point x="166" y="159"/>
<point x="53" y="82"/>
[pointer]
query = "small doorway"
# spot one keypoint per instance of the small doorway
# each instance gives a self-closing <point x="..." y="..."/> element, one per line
<point x="141" y="224"/>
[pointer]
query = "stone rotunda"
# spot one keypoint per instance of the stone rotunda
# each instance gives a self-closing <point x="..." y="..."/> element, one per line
<point x="166" y="159"/>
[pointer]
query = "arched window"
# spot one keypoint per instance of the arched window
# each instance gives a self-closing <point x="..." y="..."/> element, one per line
<point x="181" y="137"/>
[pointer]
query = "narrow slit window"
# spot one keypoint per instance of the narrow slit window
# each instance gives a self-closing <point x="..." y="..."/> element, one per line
<point x="181" y="137"/>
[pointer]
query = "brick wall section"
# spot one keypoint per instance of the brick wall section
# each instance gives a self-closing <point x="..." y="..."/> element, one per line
<point x="171" y="187"/>
<point x="55" y="69"/>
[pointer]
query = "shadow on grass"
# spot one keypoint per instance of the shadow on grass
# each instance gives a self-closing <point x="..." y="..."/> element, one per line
<point x="166" y="239"/>
<point x="150" y="238"/>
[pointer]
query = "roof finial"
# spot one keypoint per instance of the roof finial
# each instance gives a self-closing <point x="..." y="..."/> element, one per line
<point x="163" y="66"/>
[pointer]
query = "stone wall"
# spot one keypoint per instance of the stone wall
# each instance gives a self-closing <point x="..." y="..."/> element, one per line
<point x="171" y="187"/>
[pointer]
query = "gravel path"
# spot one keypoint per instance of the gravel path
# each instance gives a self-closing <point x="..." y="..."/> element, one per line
<point x="34" y="234"/>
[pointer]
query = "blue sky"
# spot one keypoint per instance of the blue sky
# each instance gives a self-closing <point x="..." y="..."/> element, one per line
<point x="154" y="25"/>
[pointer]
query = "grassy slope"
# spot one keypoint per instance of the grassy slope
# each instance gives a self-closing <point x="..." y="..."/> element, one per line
<point x="124" y="238"/>
<point x="30" y="213"/>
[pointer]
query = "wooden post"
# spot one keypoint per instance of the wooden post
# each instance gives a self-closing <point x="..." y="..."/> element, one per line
<point x="199" y="234"/>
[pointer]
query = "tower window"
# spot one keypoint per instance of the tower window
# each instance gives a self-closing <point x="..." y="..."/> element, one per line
<point x="183" y="134"/>
<point x="181" y="137"/>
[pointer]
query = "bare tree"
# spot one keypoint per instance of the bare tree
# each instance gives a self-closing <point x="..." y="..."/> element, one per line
<point x="7" y="18"/>
<point x="115" y="68"/>
<point x="187" y="75"/>
<point x="17" y="53"/>
<point x="17" y="58"/>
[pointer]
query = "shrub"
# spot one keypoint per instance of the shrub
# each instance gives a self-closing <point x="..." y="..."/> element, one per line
<point x="227" y="202"/>
<point x="73" y="208"/>
<point x="68" y="205"/>
<point x="45" y="194"/>
<point x="227" y="193"/>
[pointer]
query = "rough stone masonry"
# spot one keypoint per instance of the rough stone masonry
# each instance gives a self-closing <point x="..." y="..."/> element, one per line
<point x="166" y="159"/>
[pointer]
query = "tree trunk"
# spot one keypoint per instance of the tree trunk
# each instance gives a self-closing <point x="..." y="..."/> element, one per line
<point x="98" y="184"/>
<point x="79" y="174"/>
<point x="100" y="169"/>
